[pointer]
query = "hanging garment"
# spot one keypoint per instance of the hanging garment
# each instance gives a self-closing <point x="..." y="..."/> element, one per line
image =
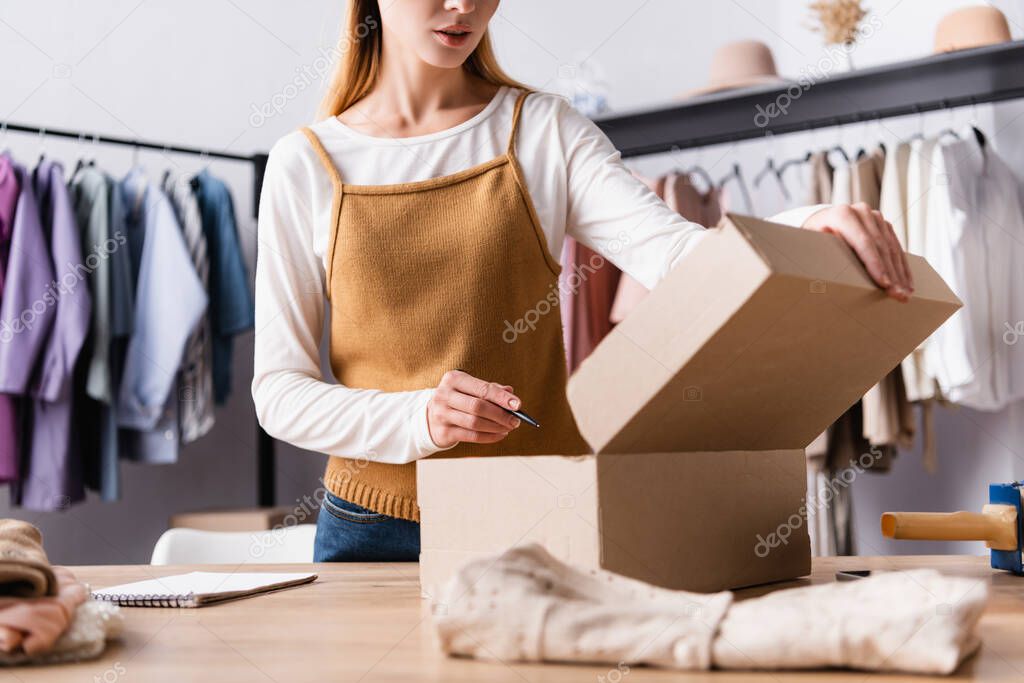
<point x="975" y="241"/>
<point x="52" y="478"/>
<point x="587" y="291"/>
<point x="27" y="311"/>
<point x="892" y="199"/>
<point x="99" y="211"/>
<point x="525" y="605"/>
<point x="587" y="286"/>
<point x="821" y="178"/>
<point x="367" y="280"/>
<point x="821" y="522"/>
<point x="9" y="427"/>
<point x="919" y="185"/>
<point x="894" y="205"/>
<point x="231" y="303"/>
<point x="195" y="385"/>
<point x="920" y="384"/>
<point x="679" y="193"/>
<point x="887" y="416"/>
<point x="169" y="300"/>
<point x="842" y="184"/>
<point x="866" y="177"/>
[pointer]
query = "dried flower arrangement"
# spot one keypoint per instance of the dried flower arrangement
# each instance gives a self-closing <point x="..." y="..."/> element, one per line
<point x="838" y="20"/>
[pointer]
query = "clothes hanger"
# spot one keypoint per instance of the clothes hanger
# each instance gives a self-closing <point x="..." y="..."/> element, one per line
<point x="919" y="135"/>
<point x="81" y="163"/>
<point x="769" y="167"/>
<point x="861" y="152"/>
<point x="838" y="147"/>
<point x="950" y="130"/>
<point x="978" y="135"/>
<point x="3" y="138"/>
<point x="737" y="174"/>
<point x="95" y="148"/>
<point x="204" y="161"/>
<point x="879" y="132"/>
<point x="842" y="152"/>
<point x="42" y="145"/>
<point x="790" y="163"/>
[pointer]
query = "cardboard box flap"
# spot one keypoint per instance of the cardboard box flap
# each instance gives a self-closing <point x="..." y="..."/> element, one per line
<point x="759" y="339"/>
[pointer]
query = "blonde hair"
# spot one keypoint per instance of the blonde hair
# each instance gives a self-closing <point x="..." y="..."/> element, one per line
<point x="358" y="63"/>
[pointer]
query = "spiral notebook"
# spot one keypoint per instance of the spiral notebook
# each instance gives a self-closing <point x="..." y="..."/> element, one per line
<point x="197" y="589"/>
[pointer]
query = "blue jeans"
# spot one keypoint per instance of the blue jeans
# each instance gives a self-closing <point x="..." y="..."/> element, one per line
<point x="346" y="532"/>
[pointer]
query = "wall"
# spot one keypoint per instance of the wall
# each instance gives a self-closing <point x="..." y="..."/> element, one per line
<point x="197" y="72"/>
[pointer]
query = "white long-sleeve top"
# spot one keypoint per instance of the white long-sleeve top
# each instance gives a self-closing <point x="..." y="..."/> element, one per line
<point x="579" y="187"/>
<point x="975" y="241"/>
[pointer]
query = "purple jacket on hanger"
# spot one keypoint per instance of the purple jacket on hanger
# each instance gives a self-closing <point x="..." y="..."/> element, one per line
<point x="9" y="190"/>
<point x="53" y="478"/>
<point x="27" y="310"/>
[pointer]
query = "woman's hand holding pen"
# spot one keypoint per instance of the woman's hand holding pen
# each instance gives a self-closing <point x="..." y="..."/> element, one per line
<point x="466" y="408"/>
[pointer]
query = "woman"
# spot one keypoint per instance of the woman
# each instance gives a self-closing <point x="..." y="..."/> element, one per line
<point x="429" y="205"/>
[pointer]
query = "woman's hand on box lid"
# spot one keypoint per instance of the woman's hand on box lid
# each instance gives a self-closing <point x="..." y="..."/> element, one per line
<point x="873" y="240"/>
<point x="466" y="408"/>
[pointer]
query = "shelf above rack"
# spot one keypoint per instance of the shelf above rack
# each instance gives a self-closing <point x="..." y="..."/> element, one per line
<point x="988" y="74"/>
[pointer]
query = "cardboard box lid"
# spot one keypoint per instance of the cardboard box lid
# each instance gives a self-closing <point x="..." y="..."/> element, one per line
<point x="759" y="339"/>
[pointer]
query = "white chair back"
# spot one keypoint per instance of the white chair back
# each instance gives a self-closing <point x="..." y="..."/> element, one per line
<point x="274" y="546"/>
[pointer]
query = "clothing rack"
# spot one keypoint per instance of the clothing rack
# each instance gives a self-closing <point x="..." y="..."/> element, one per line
<point x="266" y="470"/>
<point x="968" y="77"/>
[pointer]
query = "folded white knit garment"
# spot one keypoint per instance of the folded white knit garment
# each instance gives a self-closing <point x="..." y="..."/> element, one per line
<point x="525" y="605"/>
<point x="918" y="621"/>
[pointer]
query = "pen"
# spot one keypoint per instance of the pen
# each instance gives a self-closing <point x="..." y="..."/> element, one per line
<point x="523" y="416"/>
<point x="518" y="413"/>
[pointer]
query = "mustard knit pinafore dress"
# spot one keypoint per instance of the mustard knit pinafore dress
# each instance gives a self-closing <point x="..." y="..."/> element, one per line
<point x="429" y="276"/>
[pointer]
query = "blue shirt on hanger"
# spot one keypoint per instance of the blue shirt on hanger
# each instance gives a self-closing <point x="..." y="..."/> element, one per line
<point x="232" y="309"/>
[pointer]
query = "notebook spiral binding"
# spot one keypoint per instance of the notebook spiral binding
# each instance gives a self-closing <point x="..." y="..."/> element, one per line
<point x="157" y="600"/>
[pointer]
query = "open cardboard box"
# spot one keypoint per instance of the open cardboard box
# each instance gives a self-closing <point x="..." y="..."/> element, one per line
<point x="698" y="407"/>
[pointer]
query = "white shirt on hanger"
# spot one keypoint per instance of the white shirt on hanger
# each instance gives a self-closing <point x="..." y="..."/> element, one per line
<point x="920" y="383"/>
<point x="975" y="240"/>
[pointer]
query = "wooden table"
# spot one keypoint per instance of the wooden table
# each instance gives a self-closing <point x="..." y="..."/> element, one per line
<point x="367" y="622"/>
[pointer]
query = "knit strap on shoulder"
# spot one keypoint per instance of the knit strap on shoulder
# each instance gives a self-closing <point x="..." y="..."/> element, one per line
<point x="515" y="122"/>
<point x="324" y="157"/>
<point x="335" y="175"/>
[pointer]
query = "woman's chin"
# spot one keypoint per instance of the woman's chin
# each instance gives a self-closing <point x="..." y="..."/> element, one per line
<point x="446" y="57"/>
